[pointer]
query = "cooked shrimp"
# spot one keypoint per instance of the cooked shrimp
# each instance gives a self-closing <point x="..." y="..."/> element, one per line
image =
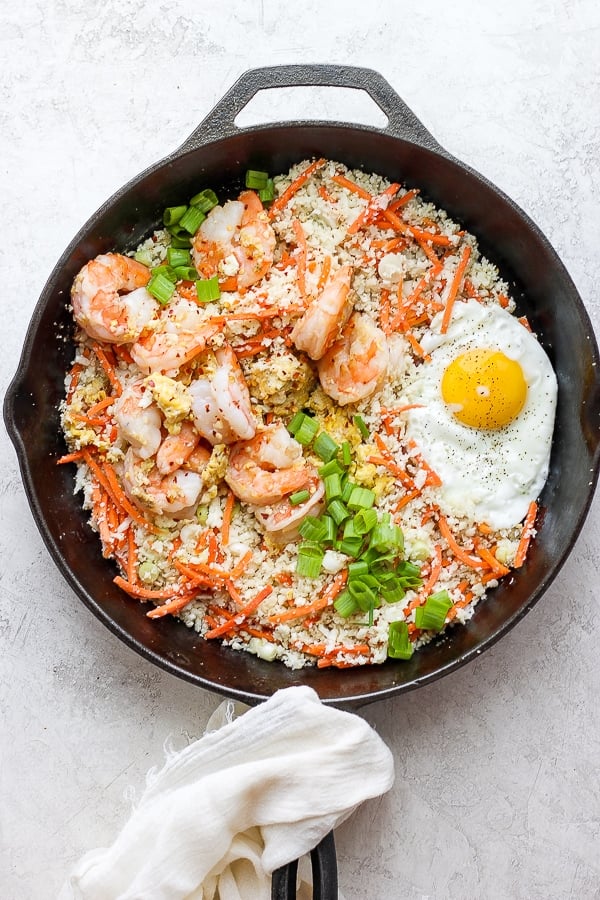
<point x="177" y="448"/>
<point x="354" y="367"/>
<point x="318" y="328"/>
<point x="282" y="520"/>
<point x="221" y="402"/>
<point x="235" y="242"/>
<point x="138" y="419"/>
<point x="110" y="301"/>
<point x="179" y="334"/>
<point x="268" y="467"/>
<point x="175" y="494"/>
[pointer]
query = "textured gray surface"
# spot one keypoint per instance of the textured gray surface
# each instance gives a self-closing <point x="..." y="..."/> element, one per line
<point x="497" y="792"/>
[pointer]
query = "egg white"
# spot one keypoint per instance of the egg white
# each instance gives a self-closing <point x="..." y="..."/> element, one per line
<point x="487" y="475"/>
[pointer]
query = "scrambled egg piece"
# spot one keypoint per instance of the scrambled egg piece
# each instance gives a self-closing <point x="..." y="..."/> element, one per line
<point x="214" y="471"/>
<point x="172" y="398"/>
<point x="282" y="381"/>
<point x="333" y="419"/>
<point x="365" y="473"/>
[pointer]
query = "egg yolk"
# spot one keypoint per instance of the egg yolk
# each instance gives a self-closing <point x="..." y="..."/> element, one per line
<point x="484" y="388"/>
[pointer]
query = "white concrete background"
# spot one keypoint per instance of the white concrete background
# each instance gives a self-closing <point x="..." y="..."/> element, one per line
<point x="497" y="792"/>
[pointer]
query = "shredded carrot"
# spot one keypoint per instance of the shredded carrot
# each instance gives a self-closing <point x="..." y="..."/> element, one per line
<point x="497" y="568"/>
<point x="124" y="354"/>
<point x="284" y="578"/>
<point x="454" y="286"/>
<point x="71" y="457"/>
<point x="108" y="368"/>
<point x="75" y="374"/>
<point x="131" y="557"/>
<point x="257" y="633"/>
<point x="526" y="535"/>
<point x="326" y="598"/>
<point x="525" y="322"/>
<point x="374" y="206"/>
<point x="227" y="518"/>
<point x="135" y="590"/>
<point x="402" y="201"/>
<point x="406" y="499"/>
<point x="295" y="186"/>
<point x="241" y="564"/>
<point x="325" y="270"/>
<point x="241" y="616"/>
<point x="122" y="500"/>
<point x="417" y="347"/>
<point x="351" y="186"/>
<point x="503" y="300"/>
<point x="436" y="568"/>
<point x="171" y="606"/>
<point x="102" y="404"/>
<point x="392" y="467"/>
<point x="396" y="410"/>
<point x="458" y="551"/>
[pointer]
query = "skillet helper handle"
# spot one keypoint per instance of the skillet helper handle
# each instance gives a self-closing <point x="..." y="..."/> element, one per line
<point x="220" y="122"/>
<point x="324" y="870"/>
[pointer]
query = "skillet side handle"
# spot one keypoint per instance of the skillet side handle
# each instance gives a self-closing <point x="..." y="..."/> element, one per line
<point x="324" y="871"/>
<point x="220" y="122"/>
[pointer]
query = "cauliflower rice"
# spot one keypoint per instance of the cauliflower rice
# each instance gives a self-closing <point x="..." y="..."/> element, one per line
<point x="216" y="568"/>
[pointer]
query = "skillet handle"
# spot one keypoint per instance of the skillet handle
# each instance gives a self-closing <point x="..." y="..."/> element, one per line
<point x="220" y="122"/>
<point x="324" y="871"/>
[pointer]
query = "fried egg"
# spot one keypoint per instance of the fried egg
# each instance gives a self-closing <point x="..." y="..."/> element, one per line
<point x="487" y="398"/>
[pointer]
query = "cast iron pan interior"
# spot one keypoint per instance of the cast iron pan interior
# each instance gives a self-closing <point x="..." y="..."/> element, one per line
<point x="216" y="155"/>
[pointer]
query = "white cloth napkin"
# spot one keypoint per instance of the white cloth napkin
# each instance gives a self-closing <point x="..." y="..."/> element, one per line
<point x="232" y="807"/>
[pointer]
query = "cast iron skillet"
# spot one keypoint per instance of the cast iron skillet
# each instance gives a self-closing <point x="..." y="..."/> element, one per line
<point x="217" y="154"/>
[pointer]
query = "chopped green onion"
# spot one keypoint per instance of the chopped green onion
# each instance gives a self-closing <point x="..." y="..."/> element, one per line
<point x="357" y="569"/>
<point x="177" y="256"/>
<point x="345" y="604"/>
<point x="350" y="530"/>
<point x="432" y="615"/>
<point x="307" y="431"/>
<point x="181" y="241"/>
<point x="392" y="592"/>
<point x="207" y="289"/>
<point x="299" y="497"/>
<point x="333" y="486"/>
<point x="337" y="511"/>
<point x="296" y="422"/>
<point x="360" y="424"/>
<point x="173" y="215"/>
<point x="347" y="489"/>
<point x="205" y="200"/>
<point x="399" y="645"/>
<point x="313" y="529"/>
<point x="331" y="468"/>
<point x="325" y="447"/>
<point x="346" y="453"/>
<point x="167" y="271"/>
<point x="267" y="193"/>
<point x="365" y="520"/>
<point x="386" y="536"/>
<point x="363" y="595"/>
<point x="257" y="181"/>
<point x="361" y="498"/>
<point x="186" y="273"/>
<point x="161" y="288"/>
<point x="409" y="575"/>
<point x="350" y="546"/>
<point x="310" y="557"/>
<point x="192" y="219"/>
<point x="330" y="529"/>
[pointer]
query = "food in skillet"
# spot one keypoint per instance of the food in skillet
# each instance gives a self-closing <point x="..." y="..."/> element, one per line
<point x="306" y="421"/>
